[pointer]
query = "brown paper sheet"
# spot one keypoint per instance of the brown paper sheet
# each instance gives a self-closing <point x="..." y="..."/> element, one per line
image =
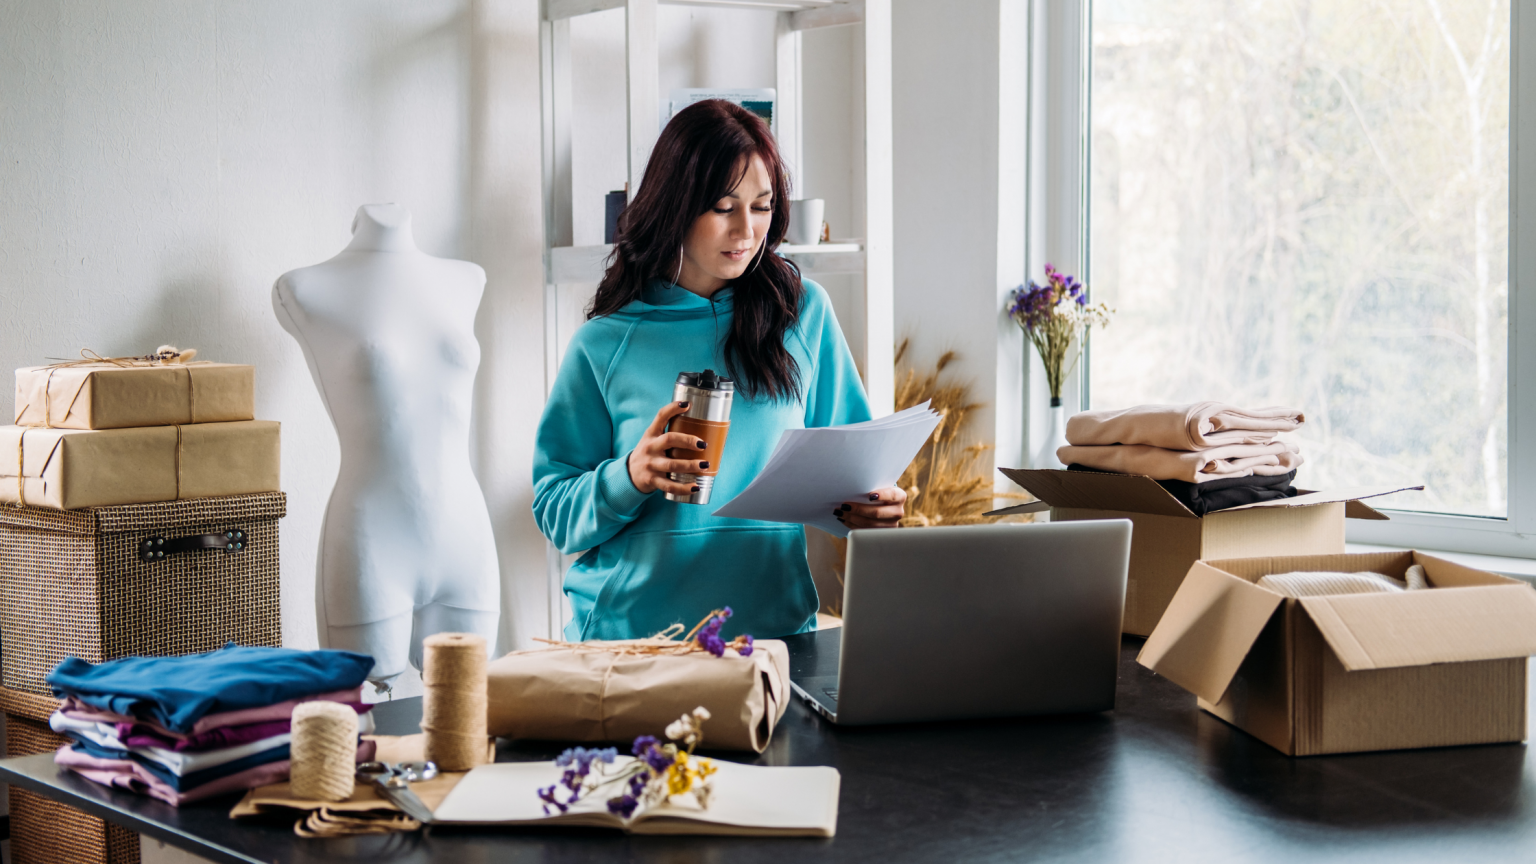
<point x="105" y="396"/>
<point x="278" y="797"/>
<point x="584" y="693"/>
<point x="66" y="469"/>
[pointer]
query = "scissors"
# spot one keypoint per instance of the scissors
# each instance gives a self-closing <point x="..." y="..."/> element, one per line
<point x="394" y="783"/>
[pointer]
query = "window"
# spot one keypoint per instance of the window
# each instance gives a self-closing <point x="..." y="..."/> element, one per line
<point x="1307" y="203"/>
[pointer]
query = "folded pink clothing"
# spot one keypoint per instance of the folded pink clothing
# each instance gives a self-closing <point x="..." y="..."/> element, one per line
<point x="130" y="775"/>
<point x="279" y="711"/>
<point x="1212" y="463"/>
<point x="1181" y="427"/>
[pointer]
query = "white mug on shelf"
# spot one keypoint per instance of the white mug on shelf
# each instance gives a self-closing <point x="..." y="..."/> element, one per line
<point x="805" y="218"/>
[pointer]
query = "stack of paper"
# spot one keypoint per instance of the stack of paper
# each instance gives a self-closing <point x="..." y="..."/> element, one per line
<point x="813" y="471"/>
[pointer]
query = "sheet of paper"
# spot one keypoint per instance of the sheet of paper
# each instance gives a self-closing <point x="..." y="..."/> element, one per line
<point x="761" y="797"/>
<point x="508" y="792"/>
<point x="813" y="471"/>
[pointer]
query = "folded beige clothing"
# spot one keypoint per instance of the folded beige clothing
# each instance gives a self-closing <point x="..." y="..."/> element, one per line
<point x="1321" y="584"/>
<point x="1213" y="463"/>
<point x="1182" y="427"/>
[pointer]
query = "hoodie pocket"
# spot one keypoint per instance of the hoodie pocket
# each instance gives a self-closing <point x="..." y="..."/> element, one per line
<point x="663" y="578"/>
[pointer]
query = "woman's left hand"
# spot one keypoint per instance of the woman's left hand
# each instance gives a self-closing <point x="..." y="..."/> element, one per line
<point x="884" y="509"/>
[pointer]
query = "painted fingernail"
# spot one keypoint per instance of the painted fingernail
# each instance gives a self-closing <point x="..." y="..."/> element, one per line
<point x="701" y="445"/>
<point x="874" y="496"/>
<point x="837" y="513"/>
<point x="682" y="404"/>
<point x="847" y="507"/>
<point x="695" y="488"/>
<point x="704" y="466"/>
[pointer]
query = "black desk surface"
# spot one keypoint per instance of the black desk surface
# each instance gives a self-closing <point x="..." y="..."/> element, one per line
<point x="1156" y="780"/>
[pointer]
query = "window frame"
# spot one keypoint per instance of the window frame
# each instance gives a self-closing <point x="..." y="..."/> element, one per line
<point x="1059" y="232"/>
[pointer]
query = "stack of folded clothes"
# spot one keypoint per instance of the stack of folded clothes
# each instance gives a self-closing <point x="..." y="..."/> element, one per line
<point x="1208" y="455"/>
<point x="182" y="729"/>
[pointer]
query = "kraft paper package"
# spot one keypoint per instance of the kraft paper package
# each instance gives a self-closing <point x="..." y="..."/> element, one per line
<point x="599" y="691"/>
<point x="66" y="469"/>
<point x="113" y="396"/>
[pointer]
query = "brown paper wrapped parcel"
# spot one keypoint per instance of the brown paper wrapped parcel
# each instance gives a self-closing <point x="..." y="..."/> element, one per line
<point x="108" y="396"/>
<point x="66" y="469"/>
<point x="595" y="691"/>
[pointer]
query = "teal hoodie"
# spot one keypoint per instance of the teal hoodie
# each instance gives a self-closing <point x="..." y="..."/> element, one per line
<point x="650" y="562"/>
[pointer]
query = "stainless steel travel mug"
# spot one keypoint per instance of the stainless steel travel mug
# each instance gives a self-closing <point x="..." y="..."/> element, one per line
<point x="709" y="419"/>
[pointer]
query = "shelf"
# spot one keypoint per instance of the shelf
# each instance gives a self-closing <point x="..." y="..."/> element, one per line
<point x="808" y="14"/>
<point x="585" y="264"/>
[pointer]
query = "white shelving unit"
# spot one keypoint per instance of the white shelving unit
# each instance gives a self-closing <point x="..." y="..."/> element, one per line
<point x="871" y="256"/>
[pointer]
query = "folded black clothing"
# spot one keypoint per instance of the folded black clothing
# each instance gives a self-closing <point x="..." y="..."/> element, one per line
<point x="1213" y="495"/>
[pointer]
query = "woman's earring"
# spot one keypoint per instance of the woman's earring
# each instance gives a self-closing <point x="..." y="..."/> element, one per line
<point x="679" y="265"/>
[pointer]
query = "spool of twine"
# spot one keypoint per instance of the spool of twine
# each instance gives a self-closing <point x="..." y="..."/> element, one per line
<point x="453" y="713"/>
<point x="323" y="751"/>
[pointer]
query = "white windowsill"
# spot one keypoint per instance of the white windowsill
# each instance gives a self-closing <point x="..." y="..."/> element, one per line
<point x="1518" y="568"/>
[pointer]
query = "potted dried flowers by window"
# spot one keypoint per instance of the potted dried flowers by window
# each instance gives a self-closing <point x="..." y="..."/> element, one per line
<point x="1055" y="316"/>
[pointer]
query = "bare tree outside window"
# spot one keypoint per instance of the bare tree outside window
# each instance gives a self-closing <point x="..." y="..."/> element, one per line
<point x="1306" y="203"/>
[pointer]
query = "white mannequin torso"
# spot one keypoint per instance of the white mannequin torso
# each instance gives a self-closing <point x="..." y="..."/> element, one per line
<point x="407" y="549"/>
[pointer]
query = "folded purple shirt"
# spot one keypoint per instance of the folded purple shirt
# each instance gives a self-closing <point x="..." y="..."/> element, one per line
<point x="139" y="734"/>
<point x="130" y="775"/>
<point x="280" y="711"/>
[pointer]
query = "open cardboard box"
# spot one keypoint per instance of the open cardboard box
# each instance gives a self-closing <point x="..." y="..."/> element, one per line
<point x="1168" y="537"/>
<point x="1352" y="672"/>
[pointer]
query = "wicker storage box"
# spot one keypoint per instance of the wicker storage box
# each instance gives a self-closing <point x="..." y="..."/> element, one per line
<point x="176" y="577"/>
<point x="44" y="831"/>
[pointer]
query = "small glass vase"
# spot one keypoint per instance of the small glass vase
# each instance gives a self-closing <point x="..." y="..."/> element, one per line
<point x="1046" y="456"/>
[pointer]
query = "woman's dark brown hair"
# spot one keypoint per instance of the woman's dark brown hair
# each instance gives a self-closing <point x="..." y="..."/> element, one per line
<point x="699" y="158"/>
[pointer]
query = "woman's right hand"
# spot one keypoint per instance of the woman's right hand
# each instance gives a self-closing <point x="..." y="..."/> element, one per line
<point x="649" y="463"/>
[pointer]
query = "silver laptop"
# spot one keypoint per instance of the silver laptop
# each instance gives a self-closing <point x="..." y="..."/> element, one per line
<point x="977" y="621"/>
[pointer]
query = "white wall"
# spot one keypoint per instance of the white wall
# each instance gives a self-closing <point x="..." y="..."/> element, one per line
<point x="960" y="83"/>
<point x="165" y="161"/>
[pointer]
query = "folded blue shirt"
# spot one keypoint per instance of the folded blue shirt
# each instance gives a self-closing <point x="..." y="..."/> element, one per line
<point x="176" y="692"/>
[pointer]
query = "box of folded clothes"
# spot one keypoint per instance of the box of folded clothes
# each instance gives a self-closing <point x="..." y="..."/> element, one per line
<point x="66" y="469"/>
<point x="1204" y="480"/>
<point x="174" y="577"/>
<point x="119" y="394"/>
<point x="1169" y="535"/>
<point x="1321" y="654"/>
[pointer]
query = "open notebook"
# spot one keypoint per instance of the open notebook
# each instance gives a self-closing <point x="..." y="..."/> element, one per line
<point x="747" y="801"/>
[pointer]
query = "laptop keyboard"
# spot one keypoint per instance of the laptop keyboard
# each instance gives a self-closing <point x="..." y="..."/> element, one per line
<point x="831" y="693"/>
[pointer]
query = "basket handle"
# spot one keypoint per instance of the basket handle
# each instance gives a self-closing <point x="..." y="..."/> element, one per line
<point x="157" y="548"/>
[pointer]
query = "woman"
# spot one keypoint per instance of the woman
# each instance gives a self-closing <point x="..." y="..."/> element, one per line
<point x="694" y="284"/>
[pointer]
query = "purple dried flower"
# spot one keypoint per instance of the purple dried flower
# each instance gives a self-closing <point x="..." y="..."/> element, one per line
<point x="623" y="806"/>
<point x="746" y="649"/>
<point x="643" y="743"/>
<point x="658" y="759"/>
<point x="547" y="795"/>
<point x="712" y="643"/>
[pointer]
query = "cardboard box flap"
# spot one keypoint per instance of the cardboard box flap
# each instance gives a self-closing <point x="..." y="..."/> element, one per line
<point x="1417" y="628"/>
<point x="1346" y="494"/>
<point x="1207" y="631"/>
<point x="1028" y="507"/>
<point x="1092" y="490"/>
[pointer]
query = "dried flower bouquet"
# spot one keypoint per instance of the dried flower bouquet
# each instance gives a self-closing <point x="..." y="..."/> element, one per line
<point x="1055" y="316"/>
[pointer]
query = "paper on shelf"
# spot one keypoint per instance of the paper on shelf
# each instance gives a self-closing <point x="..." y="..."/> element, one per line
<point x="813" y="471"/>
